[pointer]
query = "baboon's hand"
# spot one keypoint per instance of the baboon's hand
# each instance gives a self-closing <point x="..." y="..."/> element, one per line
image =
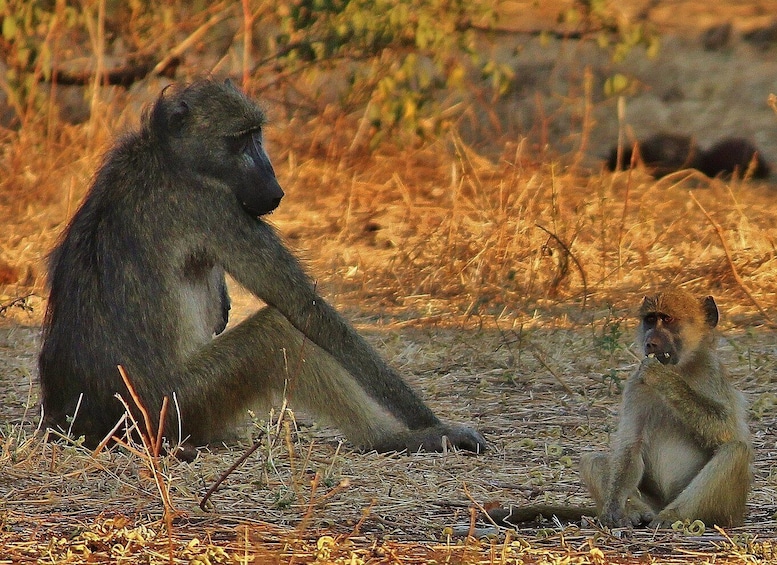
<point x="650" y="370"/>
<point x="665" y="518"/>
<point x="463" y="437"/>
<point x="444" y="437"/>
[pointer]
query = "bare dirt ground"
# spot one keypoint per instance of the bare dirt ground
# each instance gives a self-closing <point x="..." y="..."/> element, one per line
<point x="539" y="377"/>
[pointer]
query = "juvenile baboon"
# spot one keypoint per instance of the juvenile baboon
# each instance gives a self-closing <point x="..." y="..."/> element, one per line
<point x="682" y="449"/>
<point x="138" y="280"/>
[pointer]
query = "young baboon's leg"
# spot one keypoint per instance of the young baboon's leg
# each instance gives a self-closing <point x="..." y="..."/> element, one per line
<point x="265" y="356"/>
<point x="717" y="495"/>
<point x="595" y="471"/>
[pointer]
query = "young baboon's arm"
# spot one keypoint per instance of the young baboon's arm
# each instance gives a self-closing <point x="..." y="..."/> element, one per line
<point x="625" y="475"/>
<point x="708" y="418"/>
<point x="626" y="463"/>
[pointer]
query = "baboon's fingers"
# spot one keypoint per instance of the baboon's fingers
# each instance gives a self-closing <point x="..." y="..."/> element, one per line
<point x="439" y="438"/>
<point x="463" y="437"/>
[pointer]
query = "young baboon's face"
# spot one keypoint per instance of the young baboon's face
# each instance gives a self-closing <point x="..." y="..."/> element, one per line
<point x="661" y="337"/>
<point x="673" y="324"/>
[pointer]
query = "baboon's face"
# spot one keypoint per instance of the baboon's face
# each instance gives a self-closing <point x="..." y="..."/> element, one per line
<point x="214" y="129"/>
<point x="661" y="337"/>
<point x="256" y="187"/>
<point x="674" y="323"/>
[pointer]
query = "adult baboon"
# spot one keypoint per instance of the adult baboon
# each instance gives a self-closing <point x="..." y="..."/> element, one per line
<point x="138" y="280"/>
<point x="682" y="449"/>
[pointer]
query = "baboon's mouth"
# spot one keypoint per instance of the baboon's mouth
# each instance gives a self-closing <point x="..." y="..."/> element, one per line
<point x="665" y="358"/>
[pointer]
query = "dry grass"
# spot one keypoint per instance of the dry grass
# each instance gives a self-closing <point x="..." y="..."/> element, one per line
<point x="502" y="287"/>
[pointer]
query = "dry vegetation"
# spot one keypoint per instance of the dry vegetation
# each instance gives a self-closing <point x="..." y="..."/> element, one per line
<point x="503" y="286"/>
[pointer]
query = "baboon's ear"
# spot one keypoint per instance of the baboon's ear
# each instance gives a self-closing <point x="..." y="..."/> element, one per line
<point x="711" y="315"/>
<point x="177" y="117"/>
<point x="648" y="305"/>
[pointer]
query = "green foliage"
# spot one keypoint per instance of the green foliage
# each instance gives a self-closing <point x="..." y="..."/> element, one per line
<point x="397" y="55"/>
<point x="609" y="339"/>
<point x="614" y="34"/>
<point x="612" y="382"/>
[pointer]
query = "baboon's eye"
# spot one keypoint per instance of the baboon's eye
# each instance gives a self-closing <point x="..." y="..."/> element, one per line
<point x="666" y="319"/>
<point x="244" y="142"/>
<point x="236" y="144"/>
<point x="650" y="319"/>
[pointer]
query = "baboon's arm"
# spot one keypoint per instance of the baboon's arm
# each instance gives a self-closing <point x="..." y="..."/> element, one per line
<point x="704" y="415"/>
<point x="259" y="261"/>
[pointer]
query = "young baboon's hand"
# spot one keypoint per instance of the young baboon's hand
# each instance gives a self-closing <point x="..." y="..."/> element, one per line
<point x="634" y="513"/>
<point x="650" y="370"/>
<point x="444" y="437"/>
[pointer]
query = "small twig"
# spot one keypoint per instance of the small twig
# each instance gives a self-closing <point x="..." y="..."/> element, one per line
<point x="365" y="513"/>
<point x="342" y="485"/>
<point x="161" y="427"/>
<point x="152" y="446"/>
<point x="303" y="524"/>
<point x="146" y="417"/>
<point x="109" y="436"/>
<point x="538" y="353"/>
<point x="731" y="265"/>
<point x="568" y="252"/>
<point x="235" y="465"/>
<point x="477" y="505"/>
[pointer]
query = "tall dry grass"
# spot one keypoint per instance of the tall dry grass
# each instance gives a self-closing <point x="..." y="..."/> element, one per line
<point x="438" y="229"/>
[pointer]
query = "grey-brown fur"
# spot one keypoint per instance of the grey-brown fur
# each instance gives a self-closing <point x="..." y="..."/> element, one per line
<point x="138" y="280"/>
<point x="683" y="449"/>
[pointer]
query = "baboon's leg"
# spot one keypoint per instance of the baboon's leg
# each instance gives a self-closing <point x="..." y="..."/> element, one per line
<point x="595" y="469"/>
<point x="262" y="358"/>
<point x="717" y="495"/>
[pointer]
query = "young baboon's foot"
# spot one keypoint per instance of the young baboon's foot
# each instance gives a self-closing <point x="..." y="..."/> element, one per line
<point x="628" y="518"/>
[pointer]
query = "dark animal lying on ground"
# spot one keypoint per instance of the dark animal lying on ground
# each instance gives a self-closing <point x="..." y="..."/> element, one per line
<point x="666" y="153"/>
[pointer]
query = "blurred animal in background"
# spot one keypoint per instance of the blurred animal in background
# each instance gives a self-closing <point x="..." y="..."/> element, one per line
<point x="137" y="280"/>
<point x="666" y="153"/>
<point x="734" y="155"/>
